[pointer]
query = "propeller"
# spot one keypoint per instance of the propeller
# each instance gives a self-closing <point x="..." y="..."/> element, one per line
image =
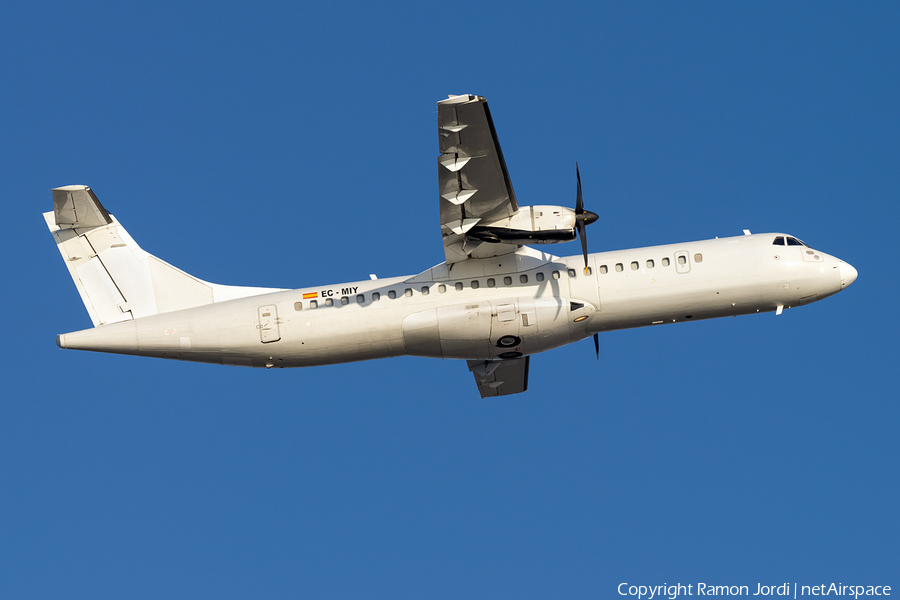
<point x="597" y="345"/>
<point x="583" y="218"/>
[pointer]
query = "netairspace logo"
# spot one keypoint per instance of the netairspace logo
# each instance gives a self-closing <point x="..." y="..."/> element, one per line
<point x="649" y="592"/>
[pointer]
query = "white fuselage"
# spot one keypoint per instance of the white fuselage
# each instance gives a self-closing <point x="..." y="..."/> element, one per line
<point x="531" y="301"/>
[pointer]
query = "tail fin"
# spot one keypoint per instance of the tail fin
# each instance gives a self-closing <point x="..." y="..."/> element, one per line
<point x="117" y="280"/>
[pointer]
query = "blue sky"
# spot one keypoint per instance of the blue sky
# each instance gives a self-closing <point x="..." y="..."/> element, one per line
<point x="294" y="145"/>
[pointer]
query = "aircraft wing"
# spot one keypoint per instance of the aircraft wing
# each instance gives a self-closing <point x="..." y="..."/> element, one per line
<point x="500" y="377"/>
<point x="472" y="177"/>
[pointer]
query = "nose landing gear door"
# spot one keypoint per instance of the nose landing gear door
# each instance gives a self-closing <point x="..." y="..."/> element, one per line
<point x="268" y="324"/>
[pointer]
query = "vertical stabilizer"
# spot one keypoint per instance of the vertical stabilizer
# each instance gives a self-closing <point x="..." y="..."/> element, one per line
<point x="116" y="279"/>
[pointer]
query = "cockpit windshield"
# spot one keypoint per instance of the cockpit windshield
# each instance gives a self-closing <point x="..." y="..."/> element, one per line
<point x="791" y="241"/>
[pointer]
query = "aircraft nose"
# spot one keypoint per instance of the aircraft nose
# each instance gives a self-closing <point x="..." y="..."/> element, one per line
<point x="848" y="274"/>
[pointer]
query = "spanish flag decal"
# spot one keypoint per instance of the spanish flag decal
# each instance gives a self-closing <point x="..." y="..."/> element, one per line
<point x="310" y="295"/>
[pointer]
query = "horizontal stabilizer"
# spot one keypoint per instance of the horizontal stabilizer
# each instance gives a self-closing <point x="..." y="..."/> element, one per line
<point x="76" y="206"/>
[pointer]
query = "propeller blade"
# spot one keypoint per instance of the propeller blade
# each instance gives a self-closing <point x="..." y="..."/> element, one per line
<point x="580" y="218"/>
<point x="582" y="235"/>
<point x="583" y="218"/>
<point x="579" y="201"/>
<point x="597" y="345"/>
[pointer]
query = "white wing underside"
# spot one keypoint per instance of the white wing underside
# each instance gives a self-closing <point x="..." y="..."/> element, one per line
<point x="473" y="182"/>
<point x="500" y="377"/>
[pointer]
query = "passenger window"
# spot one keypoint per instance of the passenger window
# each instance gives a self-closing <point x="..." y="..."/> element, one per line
<point x="392" y="294"/>
<point x="634" y="265"/>
<point x="459" y="286"/>
<point x="475" y="284"/>
<point x="313" y="304"/>
<point x="619" y="267"/>
<point x="442" y="288"/>
<point x="539" y="276"/>
<point x="555" y="274"/>
<point x="425" y="290"/>
<point x="588" y="271"/>
<point x="571" y="272"/>
<point x="779" y="241"/>
<point x="682" y="259"/>
<point x="329" y="302"/>
<point x="523" y="278"/>
<point x="298" y="306"/>
<point x="345" y="300"/>
<point x="603" y="270"/>
<point x="376" y="296"/>
<point x="507" y="281"/>
<point x="407" y="292"/>
<point x="650" y="263"/>
<point x="698" y="257"/>
<point x="360" y="299"/>
<point x="665" y="261"/>
<point x="491" y="283"/>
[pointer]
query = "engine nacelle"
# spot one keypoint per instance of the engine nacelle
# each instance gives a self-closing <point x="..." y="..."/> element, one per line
<point x="490" y="329"/>
<point x="530" y="225"/>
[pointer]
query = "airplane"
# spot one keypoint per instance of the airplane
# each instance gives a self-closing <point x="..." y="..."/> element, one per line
<point x="494" y="302"/>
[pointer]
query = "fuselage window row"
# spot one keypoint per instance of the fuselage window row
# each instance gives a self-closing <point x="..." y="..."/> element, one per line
<point x="442" y="288"/>
<point x="635" y="265"/>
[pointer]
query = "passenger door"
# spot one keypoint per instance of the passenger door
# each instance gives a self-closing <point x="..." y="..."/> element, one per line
<point x="268" y="324"/>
